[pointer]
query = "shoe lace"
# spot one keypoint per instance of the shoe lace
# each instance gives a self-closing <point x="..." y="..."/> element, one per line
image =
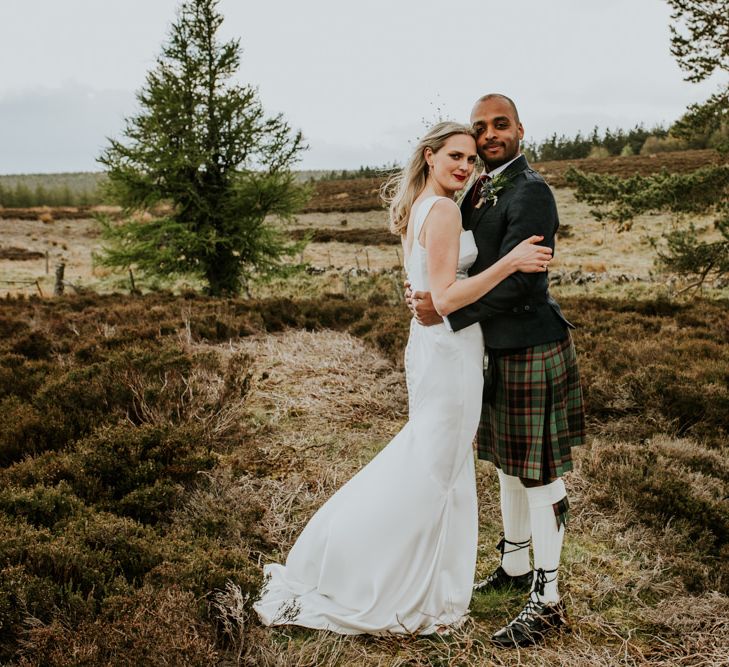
<point x="533" y="605"/>
<point x="531" y="609"/>
<point x="541" y="579"/>
<point x="501" y="546"/>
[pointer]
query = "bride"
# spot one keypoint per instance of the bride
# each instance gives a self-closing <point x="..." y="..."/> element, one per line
<point x="394" y="549"/>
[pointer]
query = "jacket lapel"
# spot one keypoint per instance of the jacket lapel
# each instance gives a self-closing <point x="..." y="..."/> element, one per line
<point x="467" y="215"/>
<point x="477" y="214"/>
<point x="516" y="167"/>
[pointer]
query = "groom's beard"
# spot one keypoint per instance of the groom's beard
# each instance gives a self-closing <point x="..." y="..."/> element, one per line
<point x="495" y="162"/>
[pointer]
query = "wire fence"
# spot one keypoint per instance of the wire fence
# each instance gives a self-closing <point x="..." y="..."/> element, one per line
<point x="29" y="284"/>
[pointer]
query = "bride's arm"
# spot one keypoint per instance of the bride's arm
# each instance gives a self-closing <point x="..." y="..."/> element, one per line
<point x="442" y="243"/>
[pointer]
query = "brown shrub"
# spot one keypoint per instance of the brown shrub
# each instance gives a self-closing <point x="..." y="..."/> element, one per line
<point x="33" y="345"/>
<point x="149" y="627"/>
<point x="362" y="194"/>
<point x="369" y="236"/>
<point x="21" y="377"/>
<point x="138" y="471"/>
<point x="645" y="365"/>
<point x="23" y="430"/>
<point x="103" y="437"/>
<point x="666" y="482"/>
<point x="40" y="505"/>
<point x="650" y="367"/>
<point x="134" y="426"/>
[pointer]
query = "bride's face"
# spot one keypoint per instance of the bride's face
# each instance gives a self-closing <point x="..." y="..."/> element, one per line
<point x="453" y="164"/>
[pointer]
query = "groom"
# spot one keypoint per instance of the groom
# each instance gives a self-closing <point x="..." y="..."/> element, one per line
<point x="532" y="411"/>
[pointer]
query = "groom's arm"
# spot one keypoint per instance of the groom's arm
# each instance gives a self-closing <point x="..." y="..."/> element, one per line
<point x="534" y="211"/>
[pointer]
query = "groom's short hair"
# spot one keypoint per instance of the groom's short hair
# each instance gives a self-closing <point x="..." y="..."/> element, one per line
<point x="506" y="99"/>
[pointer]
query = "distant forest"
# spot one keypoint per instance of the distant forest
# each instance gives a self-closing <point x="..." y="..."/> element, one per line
<point x="84" y="189"/>
<point x="71" y="189"/>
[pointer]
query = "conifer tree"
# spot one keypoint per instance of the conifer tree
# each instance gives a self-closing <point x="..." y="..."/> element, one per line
<point x="705" y="48"/>
<point x="700" y="44"/>
<point x="202" y="149"/>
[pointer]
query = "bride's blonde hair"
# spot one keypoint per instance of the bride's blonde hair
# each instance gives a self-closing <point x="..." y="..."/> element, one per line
<point x="402" y="189"/>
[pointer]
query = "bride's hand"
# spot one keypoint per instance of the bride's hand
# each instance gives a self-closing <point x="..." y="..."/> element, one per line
<point x="528" y="257"/>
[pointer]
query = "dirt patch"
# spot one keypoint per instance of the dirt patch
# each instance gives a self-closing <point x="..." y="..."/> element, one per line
<point x="643" y="165"/>
<point x="19" y="254"/>
<point x="51" y="213"/>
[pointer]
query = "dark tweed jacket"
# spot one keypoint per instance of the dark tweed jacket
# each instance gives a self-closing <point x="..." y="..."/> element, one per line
<point x="519" y="312"/>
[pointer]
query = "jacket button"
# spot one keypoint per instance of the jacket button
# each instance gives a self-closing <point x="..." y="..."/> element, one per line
<point x="526" y="307"/>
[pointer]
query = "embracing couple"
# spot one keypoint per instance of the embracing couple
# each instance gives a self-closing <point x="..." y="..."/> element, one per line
<point x="489" y="356"/>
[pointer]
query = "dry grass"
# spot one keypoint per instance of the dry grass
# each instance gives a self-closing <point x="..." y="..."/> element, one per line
<point x="71" y="242"/>
<point x="323" y="403"/>
<point x="590" y="247"/>
<point x="619" y="577"/>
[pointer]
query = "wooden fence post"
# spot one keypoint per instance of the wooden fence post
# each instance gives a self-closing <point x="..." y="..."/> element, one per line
<point x="58" y="289"/>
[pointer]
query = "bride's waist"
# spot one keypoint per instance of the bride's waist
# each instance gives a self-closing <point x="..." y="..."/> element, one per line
<point x="471" y="331"/>
<point x="433" y="328"/>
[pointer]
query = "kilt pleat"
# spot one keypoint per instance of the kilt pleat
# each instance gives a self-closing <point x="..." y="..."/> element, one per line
<point x="535" y="414"/>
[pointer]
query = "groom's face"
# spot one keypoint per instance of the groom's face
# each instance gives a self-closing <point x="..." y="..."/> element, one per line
<point x="498" y="132"/>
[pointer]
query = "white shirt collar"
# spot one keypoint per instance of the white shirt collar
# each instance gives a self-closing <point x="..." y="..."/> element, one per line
<point x="498" y="170"/>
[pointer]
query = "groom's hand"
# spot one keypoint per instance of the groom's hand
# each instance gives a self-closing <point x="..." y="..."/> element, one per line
<point x="421" y="306"/>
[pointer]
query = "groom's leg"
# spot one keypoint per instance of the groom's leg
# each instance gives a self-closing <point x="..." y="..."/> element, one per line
<point x="547" y="510"/>
<point x="517" y="529"/>
<point x="543" y="610"/>
<point x="514" y="571"/>
<point x="540" y="379"/>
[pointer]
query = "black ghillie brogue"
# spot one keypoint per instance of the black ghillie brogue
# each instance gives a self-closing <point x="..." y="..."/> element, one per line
<point x="535" y="621"/>
<point x="499" y="580"/>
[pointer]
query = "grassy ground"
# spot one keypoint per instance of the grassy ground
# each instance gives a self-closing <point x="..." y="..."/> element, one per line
<point x="155" y="451"/>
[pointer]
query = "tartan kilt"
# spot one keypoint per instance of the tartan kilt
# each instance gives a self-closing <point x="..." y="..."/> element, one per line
<point x="535" y="413"/>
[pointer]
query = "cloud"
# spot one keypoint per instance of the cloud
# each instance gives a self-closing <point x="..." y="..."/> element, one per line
<point x="65" y="129"/>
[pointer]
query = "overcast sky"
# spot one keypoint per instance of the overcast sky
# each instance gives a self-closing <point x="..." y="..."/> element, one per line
<point x="360" y="79"/>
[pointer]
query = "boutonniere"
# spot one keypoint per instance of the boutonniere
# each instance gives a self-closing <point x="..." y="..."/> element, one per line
<point x="492" y="188"/>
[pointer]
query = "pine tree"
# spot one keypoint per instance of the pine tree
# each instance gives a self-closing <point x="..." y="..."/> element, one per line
<point x="705" y="48"/>
<point x="704" y="191"/>
<point x="700" y="44"/>
<point x="701" y="52"/>
<point x="202" y="149"/>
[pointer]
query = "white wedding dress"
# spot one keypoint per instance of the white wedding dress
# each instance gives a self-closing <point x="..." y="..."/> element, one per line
<point x="394" y="549"/>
